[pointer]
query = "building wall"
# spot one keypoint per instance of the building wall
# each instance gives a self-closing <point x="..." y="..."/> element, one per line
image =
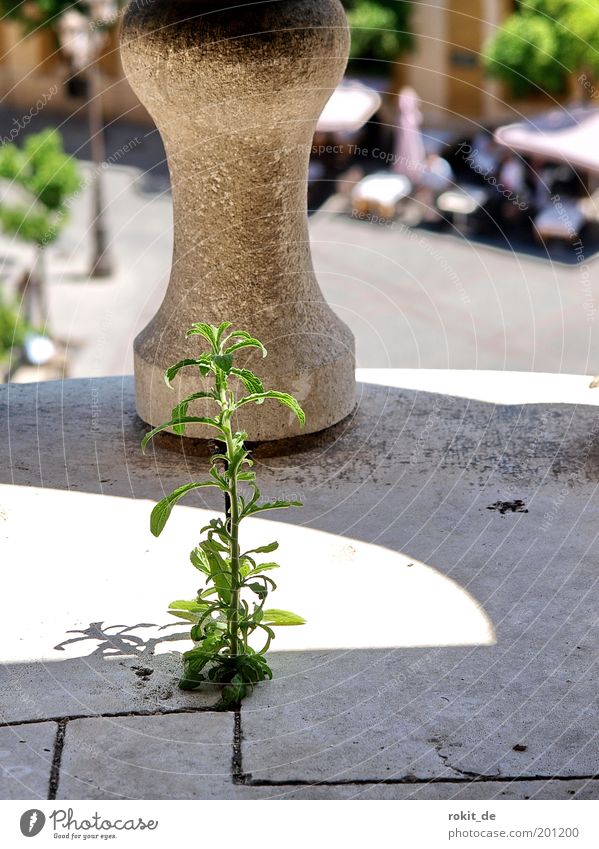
<point x="32" y="67"/>
<point x="445" y="68"/>
<point x="425" y="68"/>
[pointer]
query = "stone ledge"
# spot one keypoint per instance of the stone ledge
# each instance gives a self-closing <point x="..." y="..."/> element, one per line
<point x="465" y="525"/>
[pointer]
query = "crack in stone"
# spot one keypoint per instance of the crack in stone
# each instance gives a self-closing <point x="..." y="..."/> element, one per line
<point x="475" y="776"/>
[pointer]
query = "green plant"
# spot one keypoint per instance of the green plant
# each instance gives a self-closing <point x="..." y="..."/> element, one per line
<point x="38" y="14"/>
<point x="81" y="30"/>
<point x="543" y="43"/>
<point x="43" y="179"/>
<point x="48" y="177"/>
<point x="230" y="610"/>
<point x="13" y="327"/>
<point x="379" y="28"/>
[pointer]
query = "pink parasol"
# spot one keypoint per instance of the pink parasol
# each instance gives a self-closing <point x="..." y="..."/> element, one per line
<point x="410" y="155"/>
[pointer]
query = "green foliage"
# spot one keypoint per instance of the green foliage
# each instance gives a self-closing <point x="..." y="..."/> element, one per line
<point x="48" y="177"/>
<point x="543" y="43"/>
<point x="36" y="14"/>
<point x="228" y="613"/>
<point x="379" y="28"/>
<point x="13" y="327"/>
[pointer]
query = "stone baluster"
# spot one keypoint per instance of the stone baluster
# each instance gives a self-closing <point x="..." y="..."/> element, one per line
<point x="236" y="90"/>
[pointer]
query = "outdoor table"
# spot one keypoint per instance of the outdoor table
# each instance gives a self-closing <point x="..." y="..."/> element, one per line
<point x="462" y="202"/>
<point x="563" y="220"/>
<point x="380" y="192"/>
<point x="350" y="106"/>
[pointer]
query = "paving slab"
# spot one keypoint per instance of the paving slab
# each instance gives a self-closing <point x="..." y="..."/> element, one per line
<point x="26" y="753"/>
<point x="184" y="756"/>
<point x="92" y="686"/>
<point x="445" y="561"/>
<point x="443" y="713"/>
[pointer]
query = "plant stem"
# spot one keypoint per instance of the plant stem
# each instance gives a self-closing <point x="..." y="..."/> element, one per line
<point x="234" y="566"/>
<point x="233" y="511"/>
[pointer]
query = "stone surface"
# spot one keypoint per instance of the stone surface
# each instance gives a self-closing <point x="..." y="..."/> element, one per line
<point x="236" y="99"/>
<point x="477" y="659"/>
<point x="26" y="753"/>
<point x="187" y="756"/>
<point x="441" y="713"/>
<point x="93" y="684"/>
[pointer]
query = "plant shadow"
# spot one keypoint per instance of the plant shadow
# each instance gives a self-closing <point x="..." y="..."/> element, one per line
<point x="122" y="642"/>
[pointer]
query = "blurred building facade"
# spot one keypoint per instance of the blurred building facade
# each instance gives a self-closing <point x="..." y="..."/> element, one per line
<point x="445" y="67"/>
<point x="31" y="67"/>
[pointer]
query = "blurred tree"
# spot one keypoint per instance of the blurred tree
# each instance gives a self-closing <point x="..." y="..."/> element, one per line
<point x="380" y="28"/>
<point x="544" y="44"/>
<point x="35" y="13"/>
<point x="14" y="328"/>
<point x="81" y="29"/>
<point x="40" y="181"/>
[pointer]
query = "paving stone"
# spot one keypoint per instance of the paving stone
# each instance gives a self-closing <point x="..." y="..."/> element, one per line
<point x="26" y="753"/>
<point x="438" y="713"/>
<point x="95" y="685"/>
<point x="183" y="756"/>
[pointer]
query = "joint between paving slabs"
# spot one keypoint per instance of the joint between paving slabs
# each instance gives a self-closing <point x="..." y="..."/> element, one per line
<point x="412" y="780"/>
<point x="124" y="713"/>
<point x="57" y="758"/>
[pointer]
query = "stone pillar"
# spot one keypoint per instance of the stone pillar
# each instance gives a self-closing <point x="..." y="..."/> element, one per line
<point x="236" y="91"/>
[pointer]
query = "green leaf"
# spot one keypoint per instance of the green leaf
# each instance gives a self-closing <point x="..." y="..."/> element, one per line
<point x="270" y="505"/>
<point x="222" y="329"/>
<point x="220" y="479"/>
<point x="282" y="617"/>
<point x="220" y="570"/>
<point x="185" y="420"/>
<point x="162" y="511"/>
<point x="234" y="692"/>
<point x="270" y="634"/>
<point x="248" y="378"/>
<point x="172" y="372"/>
<point x="264" y="549"/>
<point x="247" y="341"/>
<point x="207" y="331"/>
<point x="194" y="662"/>
<point x="248" y="477"/>
<point x="190" y="611"/>
<point x="180" y="411"/>
<point x="217" y="526"/>
<point x="223" y="361"/>
<point x="282" y="397"/>
<point x="199" y="560"/>
<point x="259" y="589"/>
<point x="262" y="567"/>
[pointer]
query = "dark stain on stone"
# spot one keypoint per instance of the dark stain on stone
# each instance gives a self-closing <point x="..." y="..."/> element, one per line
<point x="517" y="506"/>
<point x="142" y="671"/>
